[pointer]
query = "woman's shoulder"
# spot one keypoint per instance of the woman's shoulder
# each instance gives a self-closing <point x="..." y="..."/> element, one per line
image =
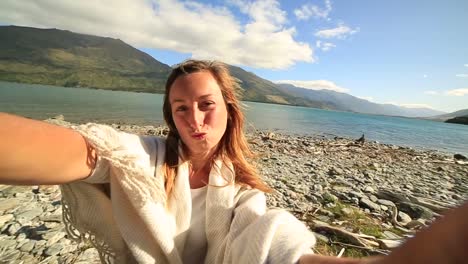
<point x="247" y="194"/>
<point x="107" y="138"/>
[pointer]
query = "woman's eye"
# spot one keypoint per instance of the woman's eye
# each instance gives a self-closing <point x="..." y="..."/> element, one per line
<point x="181" y="108"/>
<point x="208" y="104"/>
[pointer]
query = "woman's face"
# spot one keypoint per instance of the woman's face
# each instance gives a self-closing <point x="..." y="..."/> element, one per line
<point x="199" y="111"/>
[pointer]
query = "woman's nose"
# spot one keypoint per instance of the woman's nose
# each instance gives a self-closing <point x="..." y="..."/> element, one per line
<point x="195" y="118"/>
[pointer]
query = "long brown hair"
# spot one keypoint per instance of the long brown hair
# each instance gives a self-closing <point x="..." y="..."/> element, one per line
<point x="233" y="145"/>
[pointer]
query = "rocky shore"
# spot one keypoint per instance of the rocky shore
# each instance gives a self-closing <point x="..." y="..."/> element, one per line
<point x="363" y="197"/>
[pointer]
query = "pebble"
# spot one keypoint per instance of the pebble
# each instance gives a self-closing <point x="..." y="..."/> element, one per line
<point x="404" y="218"/>
<point x="53" y="250"/>
<point x="366" y="203"/>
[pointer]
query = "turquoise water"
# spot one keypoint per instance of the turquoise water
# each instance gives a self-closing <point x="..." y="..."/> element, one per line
<point x="79" y="105"/>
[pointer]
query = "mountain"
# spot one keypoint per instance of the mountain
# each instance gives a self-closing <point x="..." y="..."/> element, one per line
<point x="64" y="58"/>
<point x="457" y="117"/>
<point x="444" y="117"/>
<point x="347" y="102"/>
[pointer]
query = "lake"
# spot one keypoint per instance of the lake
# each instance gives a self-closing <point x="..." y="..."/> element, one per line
<point x="83" y="105"/>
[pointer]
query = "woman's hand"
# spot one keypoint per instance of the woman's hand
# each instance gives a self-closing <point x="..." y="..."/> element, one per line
<point x="34" y="152"/>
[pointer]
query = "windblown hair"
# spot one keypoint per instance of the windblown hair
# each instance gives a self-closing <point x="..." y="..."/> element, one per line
<point x="233" y="145"/>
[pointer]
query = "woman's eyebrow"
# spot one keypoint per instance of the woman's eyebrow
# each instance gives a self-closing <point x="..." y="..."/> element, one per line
<point x="178" y="100"/>
<point x="205" y="96"/>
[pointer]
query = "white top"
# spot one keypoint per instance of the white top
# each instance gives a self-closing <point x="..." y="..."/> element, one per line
<point x="196" y="243"/>
<point x="139" y="223"/>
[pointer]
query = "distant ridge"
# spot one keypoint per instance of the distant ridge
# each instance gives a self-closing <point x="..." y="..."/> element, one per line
<point x="463" y="112"/>
<point x="457" y="117"/>
<point x="347" y="102"/>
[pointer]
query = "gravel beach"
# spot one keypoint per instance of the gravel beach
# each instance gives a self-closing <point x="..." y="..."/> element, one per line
<point x="362" y="196"/>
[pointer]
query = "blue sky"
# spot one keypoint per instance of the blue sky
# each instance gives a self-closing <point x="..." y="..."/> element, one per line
<point x="410" y="53"/>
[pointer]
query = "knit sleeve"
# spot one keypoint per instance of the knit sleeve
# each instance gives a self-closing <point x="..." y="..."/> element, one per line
<point x="110" y="144"/>
<point x="258" y="235"/>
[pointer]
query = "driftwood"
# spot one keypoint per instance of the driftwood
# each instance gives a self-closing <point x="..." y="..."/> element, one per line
<point x="341" y="234"/>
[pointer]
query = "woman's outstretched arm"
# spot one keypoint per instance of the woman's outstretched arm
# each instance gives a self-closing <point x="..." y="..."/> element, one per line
<point x="34" y="152"/>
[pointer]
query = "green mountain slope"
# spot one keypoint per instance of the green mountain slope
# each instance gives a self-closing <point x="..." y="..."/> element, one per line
<point x="63" y="58"/>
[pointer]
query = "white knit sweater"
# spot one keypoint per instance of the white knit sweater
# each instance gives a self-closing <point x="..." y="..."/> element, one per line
<point x="123" y="209"/>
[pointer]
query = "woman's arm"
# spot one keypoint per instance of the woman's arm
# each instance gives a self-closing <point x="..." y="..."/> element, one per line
<point x="35" y="152"/>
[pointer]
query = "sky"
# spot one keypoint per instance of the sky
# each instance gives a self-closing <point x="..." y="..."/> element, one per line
<point x="408" y="53"/>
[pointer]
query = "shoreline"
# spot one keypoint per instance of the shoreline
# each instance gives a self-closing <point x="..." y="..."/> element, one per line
<point x="366" y="197"/>
<point x="249" y="129"/>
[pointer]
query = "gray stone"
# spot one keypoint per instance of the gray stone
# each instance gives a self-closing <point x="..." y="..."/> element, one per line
<point x="318" y="188"/>
<point x="373" y="198"/>
<point x="12" y="190"/>
<point x="8" y="243"/>
<point x="389" y="244"/>
<point x="356" y="194"/>
<point x="415" y="224"/>
<point x="10" y="256"/>
<point x="90" y="255"/>
<point x="8" y="204"/>
<point x="366" y="203"/>
<point x="335" y="171"/>
<point x="13" y="228"/>
<point x="28" y="215"/>
<point x="386" y="202"/>
<point x="291" y="194"/>
<point x="5" y="218"/>
<point x="28" y="246"/>
<point x="51" y="260"/>
<point x="415" y="211"/>
<point x="369" y="189"/>
<point x="403" y="218"/>
<point x="53" y="237"/>
<point x="53" y="250"/>
<point x="20" y="237"/>
<point x="390" y="235"/>
<point x="68" y="249"/>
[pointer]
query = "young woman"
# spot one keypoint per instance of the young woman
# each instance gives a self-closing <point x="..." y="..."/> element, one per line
<point x="190" y="198"/>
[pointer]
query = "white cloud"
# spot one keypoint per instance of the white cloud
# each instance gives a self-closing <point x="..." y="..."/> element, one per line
<point x="466" y="65"/>
<point x="368" y="98"/>
<point x="462" y="75"/>
<point x="431" y="92"/>
<point x="457" y="92"/>
<point x="316" y="85"/>
<point x="342" y="31"/>
<point x="416" y="106"/>
<point x="204" y="30"/>
<point x="425" y="76"/>
<point x="324" y="46"/>
<point x="409" y="105"/>
<point x="309" y="10"/>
